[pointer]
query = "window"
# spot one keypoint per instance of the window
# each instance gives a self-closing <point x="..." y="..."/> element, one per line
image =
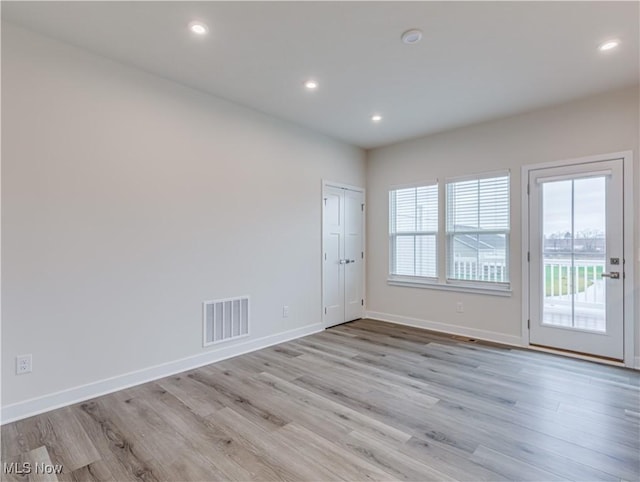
<point x="452" y="236"/>
<point x="413" y="231"/>
<point x="477" y="213"/>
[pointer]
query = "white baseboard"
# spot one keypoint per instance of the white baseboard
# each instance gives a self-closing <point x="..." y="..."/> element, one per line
<point x="447" y="328"/>
<point x="34" y="406"/>
<point x="636" y="364"/>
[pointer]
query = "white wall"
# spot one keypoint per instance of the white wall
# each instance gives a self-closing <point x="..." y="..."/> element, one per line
<point x="127" y="200"/>
<point x="601" y="124"/>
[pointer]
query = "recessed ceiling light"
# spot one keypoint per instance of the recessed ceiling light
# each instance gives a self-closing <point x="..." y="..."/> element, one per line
<point x="198" y="28"/>
<point x="412" y="36"/>
<point x="609" y="45"/>
<point x="376" y="117"/>
<point x="311" y="84"/>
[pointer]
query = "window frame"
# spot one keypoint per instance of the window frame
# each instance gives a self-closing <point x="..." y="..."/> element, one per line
<point x="450" y="235"/>
<point x="393" y="236"/>
<point x="442" y="281"/>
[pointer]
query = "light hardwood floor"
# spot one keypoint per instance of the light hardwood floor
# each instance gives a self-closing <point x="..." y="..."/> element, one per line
<point x="362" y="401"/>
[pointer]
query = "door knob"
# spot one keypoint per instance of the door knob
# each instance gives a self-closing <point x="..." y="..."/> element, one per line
<point x="612" y="275"/>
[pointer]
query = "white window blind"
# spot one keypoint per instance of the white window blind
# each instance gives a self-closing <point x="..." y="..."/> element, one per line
<point x="477" y="214"/>
<point x="413" y="230"/>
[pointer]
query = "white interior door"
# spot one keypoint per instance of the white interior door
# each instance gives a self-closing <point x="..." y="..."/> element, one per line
<point x="343" y="255"/>
<point x="576" y="258"/>
<point x="354" y="254"/>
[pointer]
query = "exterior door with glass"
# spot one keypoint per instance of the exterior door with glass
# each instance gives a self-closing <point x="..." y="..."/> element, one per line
<point x="576" y="267"/>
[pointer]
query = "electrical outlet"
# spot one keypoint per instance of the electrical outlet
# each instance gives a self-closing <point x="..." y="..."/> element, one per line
<point x="23" y="364"/>
<point x="285" y="312"/>
<point x="459" y="307"/>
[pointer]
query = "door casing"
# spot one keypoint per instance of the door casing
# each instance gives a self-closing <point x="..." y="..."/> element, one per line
<point x="628" y="239"/>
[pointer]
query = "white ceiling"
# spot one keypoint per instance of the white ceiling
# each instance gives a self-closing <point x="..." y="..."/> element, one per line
<point x="477" y="60"/>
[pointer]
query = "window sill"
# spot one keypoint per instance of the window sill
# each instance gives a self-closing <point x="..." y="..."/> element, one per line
<point x="434" y="285"/>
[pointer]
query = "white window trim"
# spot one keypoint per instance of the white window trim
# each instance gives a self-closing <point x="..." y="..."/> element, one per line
<point x="466" y="287"/>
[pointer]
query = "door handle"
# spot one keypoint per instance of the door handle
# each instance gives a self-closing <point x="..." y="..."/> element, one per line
<point x="612" y="275"/>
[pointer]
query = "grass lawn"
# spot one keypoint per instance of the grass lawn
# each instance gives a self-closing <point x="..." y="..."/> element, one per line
<point x="562" y="276"/>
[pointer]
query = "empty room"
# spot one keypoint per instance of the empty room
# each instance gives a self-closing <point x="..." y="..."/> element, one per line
<point x="312" y="241"/>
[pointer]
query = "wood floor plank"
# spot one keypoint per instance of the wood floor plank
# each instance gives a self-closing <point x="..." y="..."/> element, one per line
<point x="601" y="436"/>
<point x="342" y="464"/>
<point x="192" y="433"/>
<point x="405" y="383"/>
<point x="256" y="362"/>
<point x="367" y="400"/>
<point x="237" y="396"/>
<point x="32" y="465"/>
<point x="94" y="472"/>
<point x="301" y="463"/>
<point x="12" y="442"/>
<point x="303" y="413"/>
<point x="511" y="468"/>
<point x="412" y="421"/>
<point x="524" y="443"/>
<point x="64" y="438"/>
<point x="392" y="460"/>
<point x="367" y="383"/>
<point x="148" y="427"/>
<point x="448" y="460"/>
<point x="193" y="394"/>
<point x="39" y="459"/>
<point x="330" y="408"/>
<point x="126" y="459"/>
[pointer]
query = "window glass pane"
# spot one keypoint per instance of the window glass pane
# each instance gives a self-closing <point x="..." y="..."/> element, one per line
<point x="462" y="204"/>
<point x="426" y="256"/>
<point x="493" y="200"/>
<point x="427" y="208"/>
<point x="413" y="229"/>
<point x="492" y="258"/>
<point x="404" y="256"/>
<point x="478" y="229"/>
<point x="415" y="209"/>
<point x="415" y="256"/>
<point x="574" y="253"/>
<point x="405" y="210"/>
<point x="556" y="220"/>
<point x="479" y="257"/>
<point x="480" y="204"/>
